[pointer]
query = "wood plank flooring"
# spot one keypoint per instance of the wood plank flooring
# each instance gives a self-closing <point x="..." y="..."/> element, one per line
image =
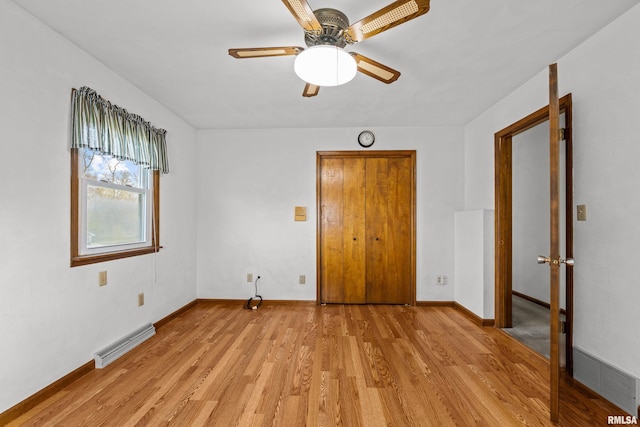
<point x="296" y="365"/>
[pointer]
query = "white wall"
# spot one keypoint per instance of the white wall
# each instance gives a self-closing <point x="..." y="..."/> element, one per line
<point x="250" y="181"/>
<point x="474" y="261"/>
<point x="53" y="317"/>
<point x="602" y="74"/>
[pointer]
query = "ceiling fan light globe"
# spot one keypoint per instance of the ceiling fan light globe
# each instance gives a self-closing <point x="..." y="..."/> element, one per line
<point x="325" y="65"/>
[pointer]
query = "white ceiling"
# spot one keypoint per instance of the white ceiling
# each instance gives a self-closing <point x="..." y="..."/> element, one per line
<point x="456" y="61"/>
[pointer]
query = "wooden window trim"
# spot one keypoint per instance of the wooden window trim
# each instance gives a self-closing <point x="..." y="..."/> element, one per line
<point x="76" y="258"/>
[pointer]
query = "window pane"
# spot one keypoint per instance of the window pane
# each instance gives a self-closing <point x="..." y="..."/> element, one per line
<point x="108" y="169"/>
<point x="114" y="217"/>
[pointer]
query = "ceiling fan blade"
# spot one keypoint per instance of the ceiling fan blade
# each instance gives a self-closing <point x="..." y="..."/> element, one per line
<point x="375" y="69"/>
<point x="258" y="52"/>
<point x="396" y="13"/>
<point x="301" y="10"/>
<point x="310" y="90"/>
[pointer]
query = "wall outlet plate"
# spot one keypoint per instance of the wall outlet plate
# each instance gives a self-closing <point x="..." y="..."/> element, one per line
<point x="582" y="212"/>
<point x="102" y="278"/>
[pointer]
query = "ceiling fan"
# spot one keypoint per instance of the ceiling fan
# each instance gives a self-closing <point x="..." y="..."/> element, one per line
<point x="326" y="33"/>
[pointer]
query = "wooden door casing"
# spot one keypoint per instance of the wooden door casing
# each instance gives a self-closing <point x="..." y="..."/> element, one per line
<point x="366" y="227"/>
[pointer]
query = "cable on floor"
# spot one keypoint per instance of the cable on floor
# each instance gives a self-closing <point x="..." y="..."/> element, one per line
<point x="251" y="304"/>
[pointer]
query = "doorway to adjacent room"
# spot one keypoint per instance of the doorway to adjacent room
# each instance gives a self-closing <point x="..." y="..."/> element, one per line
<point x="522" y="229"/>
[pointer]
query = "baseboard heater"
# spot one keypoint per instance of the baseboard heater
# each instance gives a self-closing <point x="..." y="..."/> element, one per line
<point x="611" y="383"/>
<point x="123" y="345"/>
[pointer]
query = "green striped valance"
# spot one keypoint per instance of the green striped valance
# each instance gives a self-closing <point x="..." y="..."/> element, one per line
<point x="101" y="126"/>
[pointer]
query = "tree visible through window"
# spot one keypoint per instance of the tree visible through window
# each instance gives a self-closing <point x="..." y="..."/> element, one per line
<point x="116" y="201"/>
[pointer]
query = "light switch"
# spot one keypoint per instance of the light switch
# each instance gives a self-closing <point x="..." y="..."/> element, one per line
<point x="300" y="213"/>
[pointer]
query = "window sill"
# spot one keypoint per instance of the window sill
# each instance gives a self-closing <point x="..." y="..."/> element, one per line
<point x="79" y="260"/>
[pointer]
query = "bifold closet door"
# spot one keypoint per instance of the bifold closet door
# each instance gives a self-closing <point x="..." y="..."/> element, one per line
<point x="366" y="248"/>
<point x="388" y="230"/>
<point x="342" y="270"/>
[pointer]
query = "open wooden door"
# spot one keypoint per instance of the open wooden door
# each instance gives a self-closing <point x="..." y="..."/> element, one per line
<point x="554" y="249"/>
<point x="554" y="260"/>
<point x="504" y="225"/>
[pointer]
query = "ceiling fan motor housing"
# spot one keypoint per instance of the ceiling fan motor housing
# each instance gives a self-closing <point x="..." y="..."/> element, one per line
<point x="334" y="23"/>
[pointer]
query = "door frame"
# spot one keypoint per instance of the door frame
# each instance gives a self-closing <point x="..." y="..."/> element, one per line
<point x="504" y="221"/>
<point x="320" y="155"/>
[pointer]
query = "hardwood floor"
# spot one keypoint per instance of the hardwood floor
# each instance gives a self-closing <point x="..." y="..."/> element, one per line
<point x="295" y="365"/>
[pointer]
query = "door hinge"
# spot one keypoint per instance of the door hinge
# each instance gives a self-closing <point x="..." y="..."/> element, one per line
<point x="563" y="327"/>
<point x="562" y="132"/>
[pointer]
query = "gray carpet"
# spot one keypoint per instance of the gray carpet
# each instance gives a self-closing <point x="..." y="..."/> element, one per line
<point x="531" y="326"/>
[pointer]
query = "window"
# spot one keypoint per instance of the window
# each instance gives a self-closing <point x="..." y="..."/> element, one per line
<point x="116" y="208"/>
<point x="116" y="161"/>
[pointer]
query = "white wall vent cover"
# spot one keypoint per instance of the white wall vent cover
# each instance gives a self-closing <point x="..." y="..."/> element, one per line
<point x="123" y="345"/>
<point x="611" y="383"/>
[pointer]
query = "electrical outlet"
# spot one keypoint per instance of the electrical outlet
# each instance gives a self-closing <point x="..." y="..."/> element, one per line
<point x="140" y="300"/>
<point x="303" y="279"/>
<point x="249" y="277"/>
<point x="102" y="278"/>
<point x="582" y="212"/>
<point x="441" y="280"/>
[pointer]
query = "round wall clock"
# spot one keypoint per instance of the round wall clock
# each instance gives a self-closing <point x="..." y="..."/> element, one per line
<point x="366" y="138"/>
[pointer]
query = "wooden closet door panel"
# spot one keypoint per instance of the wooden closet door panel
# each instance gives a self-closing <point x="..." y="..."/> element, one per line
<point x="398" y="240"/>
<point x="369" y="197"/>
<point x="376" y="230"/>
<point x="354" y="231"/>
<point x="331" y="230"/>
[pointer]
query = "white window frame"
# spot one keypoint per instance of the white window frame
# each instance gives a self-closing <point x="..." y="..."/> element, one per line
<point x="147" y="220"/>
